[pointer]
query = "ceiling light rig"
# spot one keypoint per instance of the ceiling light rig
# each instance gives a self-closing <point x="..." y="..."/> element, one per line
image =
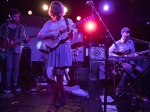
<point x="29" y="12"/>
<point x="78" y="18"/>
<point x="45" y="7"/>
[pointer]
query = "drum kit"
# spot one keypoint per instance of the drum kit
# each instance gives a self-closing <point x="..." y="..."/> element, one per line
<point x="77" y="54"/>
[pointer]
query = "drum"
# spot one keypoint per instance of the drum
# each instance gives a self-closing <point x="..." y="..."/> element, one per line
<point x="75" y="55"/>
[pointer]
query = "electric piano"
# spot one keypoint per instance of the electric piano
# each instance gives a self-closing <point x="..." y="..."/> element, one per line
<point x="123" y="58"/>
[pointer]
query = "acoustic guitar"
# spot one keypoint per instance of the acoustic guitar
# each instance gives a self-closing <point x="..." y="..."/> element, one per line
<point x="51" y="42"/>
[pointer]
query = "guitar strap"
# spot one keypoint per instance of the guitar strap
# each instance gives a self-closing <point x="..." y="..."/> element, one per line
<point x="66" y="20"/>
<point x="64" y="40"/>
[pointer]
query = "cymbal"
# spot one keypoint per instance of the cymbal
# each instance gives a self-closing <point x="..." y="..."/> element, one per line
<point x="77" y="45"/>
<point x="43" y="51"/>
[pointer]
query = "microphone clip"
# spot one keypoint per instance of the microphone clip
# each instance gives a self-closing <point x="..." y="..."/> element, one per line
<point x="90" y="2"/>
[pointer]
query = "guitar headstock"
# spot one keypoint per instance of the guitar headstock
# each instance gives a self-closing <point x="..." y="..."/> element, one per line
<point x="92" y="17"/>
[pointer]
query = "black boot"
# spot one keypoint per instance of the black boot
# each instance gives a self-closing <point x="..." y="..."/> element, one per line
<point x="63" y="98"/>
<point x="59" y="94"/>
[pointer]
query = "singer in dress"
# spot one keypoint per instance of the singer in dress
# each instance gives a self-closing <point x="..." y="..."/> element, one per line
<point x="131" y="68"/>
<point x="60" y="56"/>
<point x="12" y="33"/>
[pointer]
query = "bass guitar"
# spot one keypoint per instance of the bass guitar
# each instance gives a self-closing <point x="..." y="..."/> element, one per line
<point x="51" y="42"/>
<point x="13" y="42"/>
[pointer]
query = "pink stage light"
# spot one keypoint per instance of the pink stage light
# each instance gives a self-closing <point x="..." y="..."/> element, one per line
<point x="90" y="26"/>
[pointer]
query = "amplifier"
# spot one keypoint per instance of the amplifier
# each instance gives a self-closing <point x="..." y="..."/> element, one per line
<point x="79" y="76"/>
<point x="97" y="52"/>
<point x="97" y="70"/>
<point x="25" y="61"/>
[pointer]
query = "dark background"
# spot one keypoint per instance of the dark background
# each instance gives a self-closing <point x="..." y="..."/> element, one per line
<point x="132" y="13"/>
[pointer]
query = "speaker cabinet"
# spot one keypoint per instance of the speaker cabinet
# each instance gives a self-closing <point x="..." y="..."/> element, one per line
<point x="97" y="70"/>
<point x="79" y="75"/>
<point x="97" y="52"/>
<point x="25" y="61"/>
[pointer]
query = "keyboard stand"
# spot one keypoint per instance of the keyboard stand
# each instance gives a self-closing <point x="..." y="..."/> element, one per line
<point x="131" y="84"/>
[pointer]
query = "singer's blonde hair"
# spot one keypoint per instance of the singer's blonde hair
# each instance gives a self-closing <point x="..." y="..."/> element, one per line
<point x="56" y="9"/>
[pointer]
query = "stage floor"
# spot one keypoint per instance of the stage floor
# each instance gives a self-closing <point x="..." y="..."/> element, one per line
<point x="41" y="99"/>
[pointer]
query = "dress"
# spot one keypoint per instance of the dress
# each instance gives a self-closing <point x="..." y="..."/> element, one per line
<point x="59" y="56"/>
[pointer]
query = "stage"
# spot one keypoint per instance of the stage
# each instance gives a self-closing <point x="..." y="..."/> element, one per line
<point x="40" y="99"/>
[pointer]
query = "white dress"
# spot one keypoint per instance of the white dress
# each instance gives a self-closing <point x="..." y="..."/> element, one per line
<point x="59" y="56"/>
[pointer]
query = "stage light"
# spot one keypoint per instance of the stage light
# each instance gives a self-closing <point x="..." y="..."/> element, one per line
<point x="65" y="10"/>
<point x="45" y="7"/>
<point x="78" y="18"/>
<point x="90" y="26"/>
<point x="106" y="7"/>
<point x="29" y="12"/>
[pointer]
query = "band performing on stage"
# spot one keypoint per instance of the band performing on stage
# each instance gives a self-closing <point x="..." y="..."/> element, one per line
<point x="71" y="58"/>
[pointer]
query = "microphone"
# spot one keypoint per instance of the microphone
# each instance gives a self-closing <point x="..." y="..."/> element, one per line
<point x="9" y="19"/>
<point x="89" y="2"/>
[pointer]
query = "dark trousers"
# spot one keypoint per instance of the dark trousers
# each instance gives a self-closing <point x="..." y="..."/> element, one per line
<point x="2" y="59"/>
<point x="127" y="77"/>
<point x="12" y="66"/>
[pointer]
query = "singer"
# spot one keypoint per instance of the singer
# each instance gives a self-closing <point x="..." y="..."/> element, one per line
<point x="124" y="45"/>
<point x="59" y="57"/>
<point x="12" y="29"/>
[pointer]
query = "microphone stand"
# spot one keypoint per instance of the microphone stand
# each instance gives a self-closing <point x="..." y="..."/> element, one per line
<point x="106" y="52"/>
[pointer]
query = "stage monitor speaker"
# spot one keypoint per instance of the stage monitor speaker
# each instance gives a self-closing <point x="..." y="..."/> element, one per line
<point x="25" y="61"/>
<point x="79" y="75"/>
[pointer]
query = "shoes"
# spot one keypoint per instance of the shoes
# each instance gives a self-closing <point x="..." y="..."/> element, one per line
<point x="63" y="101"/>
<point x="7" y="90"/>
<point x="17" y="88"/>
<point x="58" y="103"/>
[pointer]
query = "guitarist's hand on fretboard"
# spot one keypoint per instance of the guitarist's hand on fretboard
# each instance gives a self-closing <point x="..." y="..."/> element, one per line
<point x="132" y="55"/>
<point x="135" y="54"/>
<point x="28" y="39"/>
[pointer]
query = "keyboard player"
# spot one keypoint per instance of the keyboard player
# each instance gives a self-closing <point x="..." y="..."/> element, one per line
<point x="125" y="47"/>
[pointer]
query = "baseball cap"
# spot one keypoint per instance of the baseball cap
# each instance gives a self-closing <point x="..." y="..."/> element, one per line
<point x="124" y="29"/>
<point x="14" y="11"/>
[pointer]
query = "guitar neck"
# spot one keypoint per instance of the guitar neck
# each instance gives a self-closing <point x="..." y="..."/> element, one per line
<point x="142" y="52"/>
<point x="77" y="23"/>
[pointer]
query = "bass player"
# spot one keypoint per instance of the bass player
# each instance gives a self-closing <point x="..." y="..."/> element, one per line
<point x="8" y="30"/>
